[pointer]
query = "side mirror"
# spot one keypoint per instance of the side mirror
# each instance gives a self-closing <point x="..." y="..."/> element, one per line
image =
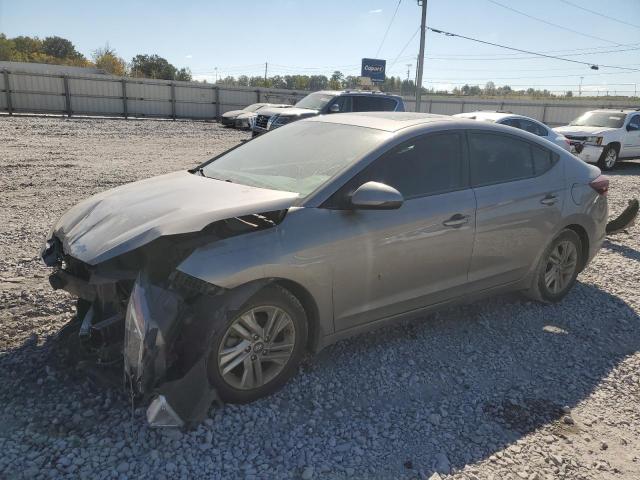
<point x="335" y="108"/>
<point x="376" y="196"/>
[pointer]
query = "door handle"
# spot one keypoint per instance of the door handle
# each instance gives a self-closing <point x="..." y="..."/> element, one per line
<point x="549" y="200"/>
<point x="456" y="221"/>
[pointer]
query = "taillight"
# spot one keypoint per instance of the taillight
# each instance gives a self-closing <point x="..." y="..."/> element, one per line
<point x="600" y="185"/>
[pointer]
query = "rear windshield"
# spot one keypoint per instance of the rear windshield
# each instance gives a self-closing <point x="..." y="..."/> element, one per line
<point x="600" y="119"/>
<point x="295" y="158"/>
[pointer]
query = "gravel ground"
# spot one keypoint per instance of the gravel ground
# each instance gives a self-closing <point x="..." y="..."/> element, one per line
<point x="503" y="389"/>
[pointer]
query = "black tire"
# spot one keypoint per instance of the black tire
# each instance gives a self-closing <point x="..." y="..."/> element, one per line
<point x="539" y="290"/>
<point x="609" y="158"/>
<point x="272" y="295"/>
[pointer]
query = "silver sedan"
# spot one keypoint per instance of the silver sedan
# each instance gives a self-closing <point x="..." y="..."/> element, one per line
<point x="216" y="281"/>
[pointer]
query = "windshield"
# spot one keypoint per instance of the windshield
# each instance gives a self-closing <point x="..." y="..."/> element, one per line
<point x="296" y="158"/>
<point x="315" y="101"/>
<point x="599" y="119"/>
<point x="254" y="107"/>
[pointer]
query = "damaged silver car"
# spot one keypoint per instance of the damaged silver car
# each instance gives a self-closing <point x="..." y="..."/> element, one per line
<point x="214" y="282"/>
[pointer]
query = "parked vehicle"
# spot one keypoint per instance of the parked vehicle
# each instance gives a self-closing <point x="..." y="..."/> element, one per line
<point x="241" y="118"/>
<point x="518" y="121"/>
<point x="605" y="136"/>
<point x="325" y="102"/>
<point x="222" y="277"/>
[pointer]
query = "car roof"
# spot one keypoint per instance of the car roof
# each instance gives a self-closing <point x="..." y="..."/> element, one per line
<point x="487" y="115"/>
<point x="615" y="110"/>
<point x="356" y="92"/>
<point x="388" y="121"/>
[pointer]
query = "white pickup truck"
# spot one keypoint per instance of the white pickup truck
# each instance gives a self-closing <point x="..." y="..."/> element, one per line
<point x="604" y="136"/>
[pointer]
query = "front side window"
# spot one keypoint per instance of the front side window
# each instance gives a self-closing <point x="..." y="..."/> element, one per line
<point x="315" y="101"/>
<point x="426" y="165"/>
<point x="370" y="103"/>
<point x="345" y="103"/>
<point x="498" y="158"/>
<point x="511" y="122"/>
<point x="634" y="123"/>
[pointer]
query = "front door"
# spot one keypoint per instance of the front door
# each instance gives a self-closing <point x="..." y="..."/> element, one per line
<point x="631" y="143"/>
<point x="392" y="261"/>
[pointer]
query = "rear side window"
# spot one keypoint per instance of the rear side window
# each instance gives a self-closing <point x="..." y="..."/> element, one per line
<point x="496" y="158"/>
<point x="511" y="122"/>
<point x="533" y="127"/>
<point x="424" y="166"/>
<point x="371" y="103"/>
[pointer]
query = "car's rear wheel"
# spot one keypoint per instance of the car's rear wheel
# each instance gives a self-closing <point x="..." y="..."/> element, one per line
<point x="254" y="354"/>
<point x="608" y="158"/>
<point x="558" y="268"/>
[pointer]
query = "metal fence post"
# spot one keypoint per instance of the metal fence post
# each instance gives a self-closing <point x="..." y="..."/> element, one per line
<point x="173" y="100"/>
<point x="544" y="113"/>
<point x="258" y="95"/>
<point x="125" y="108"/>
<point x="67" y="95"/>
<point x="7" y="91"/>
<point x="217" y="100"/>
<point x="430" y="104"/>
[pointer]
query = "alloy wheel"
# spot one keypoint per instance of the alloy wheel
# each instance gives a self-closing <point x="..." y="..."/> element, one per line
<point x="256" y="347"/>
<point x="561" y="266"/>
<point x="610" y="158"/>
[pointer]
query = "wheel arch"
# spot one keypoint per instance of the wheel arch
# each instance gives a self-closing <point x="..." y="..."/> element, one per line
<point x="310" y="307"/>
<point x="584" y="242"/>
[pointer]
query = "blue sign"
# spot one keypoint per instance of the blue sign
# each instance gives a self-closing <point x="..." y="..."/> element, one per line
<point x="374" y="69"/>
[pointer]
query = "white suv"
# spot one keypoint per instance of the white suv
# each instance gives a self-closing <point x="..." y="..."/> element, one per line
<point x="518" y="121"/>
<point x="604" y="136"/>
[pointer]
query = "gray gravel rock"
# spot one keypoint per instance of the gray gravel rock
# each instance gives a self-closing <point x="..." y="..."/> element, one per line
<point x="488" y="383"/>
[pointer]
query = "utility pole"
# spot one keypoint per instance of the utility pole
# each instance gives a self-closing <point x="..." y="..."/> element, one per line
<point x="423" y="31"/>
<point x="265" y="73"/>
<point x="216" y="70"/>
<point x="580" y="87"/>
<point x="408" y="71"/>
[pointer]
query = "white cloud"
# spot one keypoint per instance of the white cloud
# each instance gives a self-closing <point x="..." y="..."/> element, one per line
<point x="188" y="56"/>
<point x="376" y="11"/>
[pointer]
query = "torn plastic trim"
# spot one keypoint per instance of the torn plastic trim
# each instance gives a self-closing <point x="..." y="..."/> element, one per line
<point x="167" y="345"/>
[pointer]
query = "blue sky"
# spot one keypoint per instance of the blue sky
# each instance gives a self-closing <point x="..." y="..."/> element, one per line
<point x="308" y="36"/>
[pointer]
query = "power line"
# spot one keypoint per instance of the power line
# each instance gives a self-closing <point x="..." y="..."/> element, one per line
<point x="388" y="27"/>
<point x="405" y="47"/>
<point x="600" y="14"/>
<point x="593" y="66"/>
<point x="551" y="23"/>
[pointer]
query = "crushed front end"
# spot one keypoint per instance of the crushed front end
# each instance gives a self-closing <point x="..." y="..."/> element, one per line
<point x="138" y="314"/>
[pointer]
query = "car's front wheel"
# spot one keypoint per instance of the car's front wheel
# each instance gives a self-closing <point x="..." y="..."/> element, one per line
<point x="558" y="268"/>
<point x="608" y="158"/>
<point x="254" y="354"/>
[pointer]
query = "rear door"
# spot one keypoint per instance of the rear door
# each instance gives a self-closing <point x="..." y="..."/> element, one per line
<point x="519" y="188"/>
<point x="393" y="261"/>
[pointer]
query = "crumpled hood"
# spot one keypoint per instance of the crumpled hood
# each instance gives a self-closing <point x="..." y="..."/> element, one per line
<point x="124" y="218"/>
<point x="290" y="111"/>
<point x="581" y="131"/>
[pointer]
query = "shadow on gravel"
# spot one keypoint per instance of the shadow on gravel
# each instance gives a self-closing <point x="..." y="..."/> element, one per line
<point x="623" y="250"/>
<point x="625" y="167"/>
<point x="400" y="402"/>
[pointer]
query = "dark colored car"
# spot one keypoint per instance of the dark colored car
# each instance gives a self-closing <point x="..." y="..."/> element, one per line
<point x="324" y="102"/>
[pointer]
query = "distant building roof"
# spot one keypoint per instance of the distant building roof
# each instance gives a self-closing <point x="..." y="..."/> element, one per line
<point x="48" y="69"/>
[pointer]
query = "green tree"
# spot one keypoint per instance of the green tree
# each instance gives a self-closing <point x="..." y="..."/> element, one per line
<point x="7" y="48"/>
<point x="59" y="47"/>
<point x="336" y="80"/>
<point x="152" y="66"/>
<point x="184" y="75"/>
